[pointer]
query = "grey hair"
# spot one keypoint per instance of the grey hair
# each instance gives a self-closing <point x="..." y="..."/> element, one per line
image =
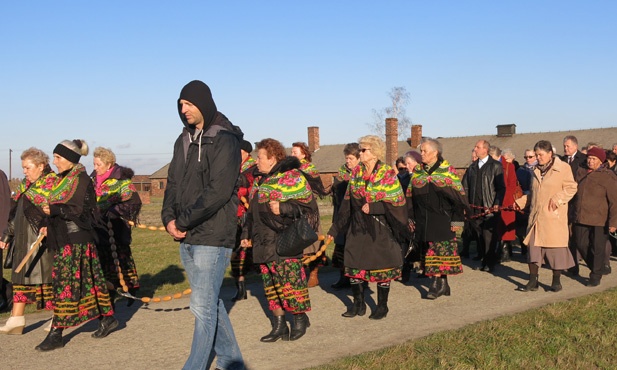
<point x="508" y="153"/>
<point x="433" y="143"/>
<point x="572" y="138"/>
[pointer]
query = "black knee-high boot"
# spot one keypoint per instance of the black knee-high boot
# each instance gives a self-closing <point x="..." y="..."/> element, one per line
<point x="382" y="303"/>
<point x="358" y="307"/>
<point x="241" y="293"/>
<point x="556" y="285"/>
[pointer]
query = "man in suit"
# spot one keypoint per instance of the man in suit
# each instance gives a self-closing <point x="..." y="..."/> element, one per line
<point x="576" y="159"/>
<point x="572" y="155"/>
<point x="485" y="188"/>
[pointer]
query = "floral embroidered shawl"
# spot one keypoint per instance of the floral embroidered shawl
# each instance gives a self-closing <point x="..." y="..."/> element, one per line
<point x="37" y="192"/>
<point x="381" y="185"/>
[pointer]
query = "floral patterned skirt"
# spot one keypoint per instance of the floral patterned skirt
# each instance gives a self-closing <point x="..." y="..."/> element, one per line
<point x="286" y="285"/>
<point x="80" y="292"/>
<point x="41" y="294"/>
<point x="374" y="276"/>
<point x="442" y="258"/>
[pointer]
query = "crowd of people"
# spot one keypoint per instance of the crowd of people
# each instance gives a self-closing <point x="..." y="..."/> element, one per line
<point x="68" y="240"/>
<point x="72" y="231"/>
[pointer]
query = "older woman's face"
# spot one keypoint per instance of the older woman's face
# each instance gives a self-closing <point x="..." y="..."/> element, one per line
<point x="366" y="155"/>
<point x="429" y="155"/>
<point x="410" y="163"/>
<point x="543" y="156"/>
<point x="351" y="161"/>
<point x="100" y="167"/>
<point x="62" y="164"/>
<point x="32" y="172"/>
<point x="264" y="164"/>
<point x="593" y="162"/>
<point x="297" y="152"/>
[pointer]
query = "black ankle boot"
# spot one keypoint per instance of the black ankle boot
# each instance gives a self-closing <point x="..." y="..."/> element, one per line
<point x="382" y="303"/>
<point x="106" y="325"/>
<point x="299" y="325"/>
<point x="556" y="285"/>
<point x="505" y="252"/>
<point x="52" y="341"/>
<point x="343" y="282"/>
<point x="280" y="330"/>
<point x="439" y="287"/>
<point x="359" y="307"/>
<point x="433" y="288"/>
<point x="241" y="294"/>
<point x="446" y="286"/>
<point x="531" y="286"/>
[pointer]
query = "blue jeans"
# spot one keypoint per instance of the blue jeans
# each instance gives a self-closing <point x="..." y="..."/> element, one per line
<point x="205" y="267"/>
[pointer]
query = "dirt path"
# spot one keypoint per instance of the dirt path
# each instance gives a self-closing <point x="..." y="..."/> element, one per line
<point x="159" y="336"/>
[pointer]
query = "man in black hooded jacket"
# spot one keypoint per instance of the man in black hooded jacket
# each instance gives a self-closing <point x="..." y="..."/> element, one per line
<point x="199" y="210"/>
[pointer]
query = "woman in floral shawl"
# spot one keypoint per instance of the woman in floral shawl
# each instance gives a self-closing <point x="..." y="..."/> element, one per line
<point x="80" y="291"/>
<point x="437" y="204"/>
<point x="279" y="194"/>
<point x="118" y="204"/>
<point x="374" y="219"/>
<point x="301" y="151"/>
<point x="33" y="283"/>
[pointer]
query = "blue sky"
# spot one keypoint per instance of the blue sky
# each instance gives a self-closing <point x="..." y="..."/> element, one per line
<point x="110" y="72"/>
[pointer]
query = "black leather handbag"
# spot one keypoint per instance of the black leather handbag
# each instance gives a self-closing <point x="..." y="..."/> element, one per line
<point x="297" y="236"/>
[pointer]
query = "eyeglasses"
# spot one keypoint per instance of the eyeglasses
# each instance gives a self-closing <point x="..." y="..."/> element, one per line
<point x="529" y="156"/>
<point x="362" y="150"/>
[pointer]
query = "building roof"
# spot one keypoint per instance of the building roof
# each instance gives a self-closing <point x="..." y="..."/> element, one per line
<point x="160" y="173"/>
<point x="457" y="150"/>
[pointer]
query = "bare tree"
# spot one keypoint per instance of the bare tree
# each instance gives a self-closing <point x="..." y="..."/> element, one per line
<point x="400" y="99"/>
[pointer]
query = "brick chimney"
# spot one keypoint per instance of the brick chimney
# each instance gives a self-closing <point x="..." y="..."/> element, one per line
<point x="391" y="140"/>
<point x="313" y="138"/>
<point x="416" y="136"/>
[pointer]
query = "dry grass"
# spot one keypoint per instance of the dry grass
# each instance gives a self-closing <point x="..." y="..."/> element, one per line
<point x="577" y="334"/>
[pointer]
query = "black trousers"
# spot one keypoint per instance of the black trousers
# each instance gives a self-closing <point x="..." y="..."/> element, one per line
<point x="591" y="244"/>
<point x="488" y="240"/>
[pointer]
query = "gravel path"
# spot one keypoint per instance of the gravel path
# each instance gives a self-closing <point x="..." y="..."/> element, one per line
<point x="158" y="336"/>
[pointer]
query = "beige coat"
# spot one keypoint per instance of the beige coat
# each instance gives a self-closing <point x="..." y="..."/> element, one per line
<point x="549" y="229"/>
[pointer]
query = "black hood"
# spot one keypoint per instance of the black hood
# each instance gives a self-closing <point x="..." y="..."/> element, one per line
<point x="199" y="94"/>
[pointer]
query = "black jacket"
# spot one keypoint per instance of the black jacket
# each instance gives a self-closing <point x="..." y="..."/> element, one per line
<point x="201" y="183"/>
<point x="493" y="187"/>
<point x="579" y="161"/>
<point x="264" y="227"/>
